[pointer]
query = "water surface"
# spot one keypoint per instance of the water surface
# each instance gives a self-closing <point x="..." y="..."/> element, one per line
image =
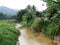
<point x="29" y="38"/>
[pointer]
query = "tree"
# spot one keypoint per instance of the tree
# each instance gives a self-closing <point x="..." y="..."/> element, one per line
<point x="2" y="16"/>
<point x="34" y="8"/>
<point x="53" y="14"/>
<point x="29" y="10"/>
<point x="38" y="14"/>
<point x="20" y="14"/>
<point x="49" y="2"/>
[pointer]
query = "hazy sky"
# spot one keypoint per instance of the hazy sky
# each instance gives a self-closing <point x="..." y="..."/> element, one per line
<point x="21" y="4"/>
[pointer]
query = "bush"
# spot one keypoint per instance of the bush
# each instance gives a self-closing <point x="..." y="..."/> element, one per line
<point x="53" y="27"/>
<point x="24" y="23"/>
<point x="39" y="25"/>
<point x="8" y="33"/>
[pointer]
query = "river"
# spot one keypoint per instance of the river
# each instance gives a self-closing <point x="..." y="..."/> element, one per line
<point x="29" y="38"/>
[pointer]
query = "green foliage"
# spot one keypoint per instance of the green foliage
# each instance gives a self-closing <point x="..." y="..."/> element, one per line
<point x="6" y="17"/>
<point x="28" y="12"/>
<point x="51" y="30"/>
<point x="53" y="15"/>
<point x="26" y="15"/>
<point x="8" y="33"/>
<point x="29" y="17"/>
<point x="35" y="27"/>
<point x="20" y="14"/>
<point x="50" y="2"/>
<point x="39" y="25"/>
<point x="46" y="21"/>
<point x="24" y="23"/>
<point x="39" y="14"/>
<point x="2" y="16"/>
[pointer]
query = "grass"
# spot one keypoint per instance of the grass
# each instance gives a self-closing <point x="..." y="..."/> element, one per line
<point x="8" y="33"/>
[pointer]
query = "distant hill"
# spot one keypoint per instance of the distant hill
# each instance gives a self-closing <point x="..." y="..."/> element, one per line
<point x="8" y="11"/>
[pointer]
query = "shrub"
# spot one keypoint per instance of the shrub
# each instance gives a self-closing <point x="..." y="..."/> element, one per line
<point x="39" y="25"/>
<point x="8" y="33"/>
<point x="53" y="27"/>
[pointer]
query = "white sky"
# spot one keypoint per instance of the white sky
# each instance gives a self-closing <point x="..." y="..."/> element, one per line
<point x="21" y="4"/>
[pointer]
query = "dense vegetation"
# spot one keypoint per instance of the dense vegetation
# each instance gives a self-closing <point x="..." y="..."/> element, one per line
<point x="6" y="17"/>
<point x="8" y="33"/>
<point x="47" y="21"/>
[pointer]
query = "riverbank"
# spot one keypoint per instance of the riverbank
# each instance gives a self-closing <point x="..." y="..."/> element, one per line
<point x="29" y="38"/>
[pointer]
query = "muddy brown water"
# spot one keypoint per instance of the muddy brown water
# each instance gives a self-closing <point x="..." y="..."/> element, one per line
<point x="29" y="38"/>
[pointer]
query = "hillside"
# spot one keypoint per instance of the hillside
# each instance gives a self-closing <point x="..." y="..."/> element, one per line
<point x="8" y="11"/>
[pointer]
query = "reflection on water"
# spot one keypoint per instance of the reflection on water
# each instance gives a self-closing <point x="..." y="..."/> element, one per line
<point x="29" y="38"/>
